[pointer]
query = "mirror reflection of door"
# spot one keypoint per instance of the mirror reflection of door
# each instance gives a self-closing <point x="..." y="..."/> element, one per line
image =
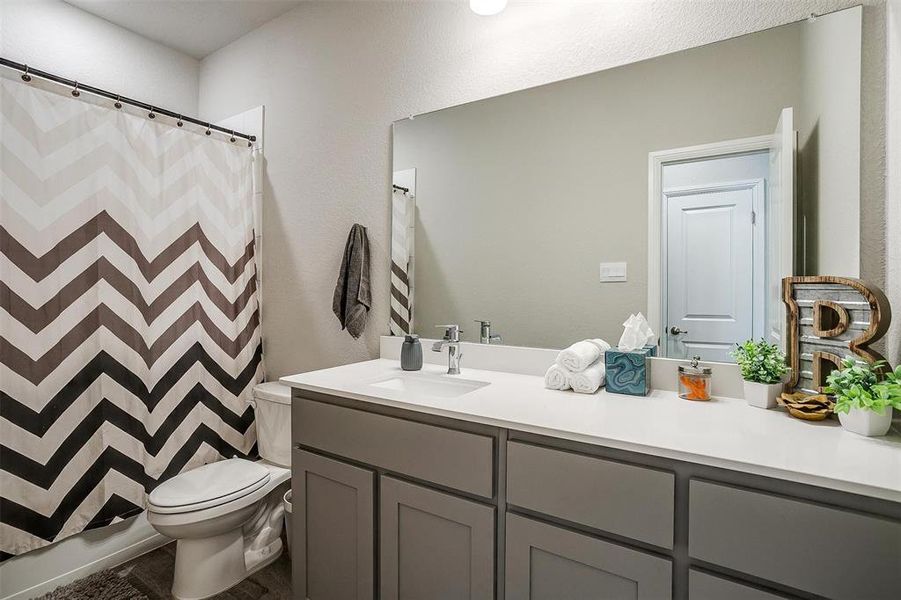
<point x="721" y="211"/>
<point x="712" y="210"/>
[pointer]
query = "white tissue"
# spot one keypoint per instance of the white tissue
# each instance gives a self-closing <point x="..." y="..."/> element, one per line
<point x="582" y="355"/>
<point x="637" y="333"/>
<point x="589" y="380"/>
<point x="557" y="378"/>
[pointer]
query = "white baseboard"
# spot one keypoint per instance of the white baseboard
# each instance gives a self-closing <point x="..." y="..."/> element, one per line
<point x="40" y="571"/>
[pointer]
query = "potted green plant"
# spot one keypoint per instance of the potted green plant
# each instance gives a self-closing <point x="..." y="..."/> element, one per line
<point x="763" y="369"/>
<point x="865" y="395"/>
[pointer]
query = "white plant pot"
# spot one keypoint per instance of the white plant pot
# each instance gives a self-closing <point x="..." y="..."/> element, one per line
<point x="867" y="422"/>
<point x="762" y="395"/>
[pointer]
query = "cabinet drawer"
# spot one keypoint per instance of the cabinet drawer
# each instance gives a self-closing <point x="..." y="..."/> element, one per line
<point x="456" y="459"/>
<point x="702" y="586"/>
<point x="622" y="499"/>
<point x="841" y="553"/>
<point x="545" y="562"/>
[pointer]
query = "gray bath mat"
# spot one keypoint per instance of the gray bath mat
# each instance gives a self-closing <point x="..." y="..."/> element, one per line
<point x="105" y="585"/>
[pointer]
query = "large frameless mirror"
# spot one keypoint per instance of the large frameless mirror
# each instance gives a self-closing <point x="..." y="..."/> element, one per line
<point x="683" y="187"/>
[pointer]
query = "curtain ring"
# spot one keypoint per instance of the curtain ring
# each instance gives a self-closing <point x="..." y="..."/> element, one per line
<point x="75" y="91"/>
<point x="232" y="138"/>
<point x="25" y="76"/>
<point x="151" y="114"/>
<point x="118" y="104"/>
<point x="249" y="144"/>
<point x="208" y="132"/>
<point x="179" y="122"/>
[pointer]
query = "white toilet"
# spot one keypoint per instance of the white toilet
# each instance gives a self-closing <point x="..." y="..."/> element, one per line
<point x="227" y="516"/>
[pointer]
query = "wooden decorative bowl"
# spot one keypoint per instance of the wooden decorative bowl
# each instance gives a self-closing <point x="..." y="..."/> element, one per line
<point x="808" y="407"/>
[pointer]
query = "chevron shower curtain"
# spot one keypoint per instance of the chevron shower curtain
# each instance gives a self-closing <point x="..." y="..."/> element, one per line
<point x="403" y="209"/>
<point x="129" y="330"/>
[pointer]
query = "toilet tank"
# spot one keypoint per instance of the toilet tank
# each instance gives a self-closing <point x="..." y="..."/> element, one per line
<point x="273" y="420"/>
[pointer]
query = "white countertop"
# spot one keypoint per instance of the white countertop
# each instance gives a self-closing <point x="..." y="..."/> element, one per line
<point x="723" y="433"/>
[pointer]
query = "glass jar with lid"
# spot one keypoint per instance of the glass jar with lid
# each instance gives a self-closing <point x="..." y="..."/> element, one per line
<point x="694" y="381"/>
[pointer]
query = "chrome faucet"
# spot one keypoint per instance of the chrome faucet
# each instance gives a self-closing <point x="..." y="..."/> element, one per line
<point x="485" y="336"/>
<point x="452" y="341"/>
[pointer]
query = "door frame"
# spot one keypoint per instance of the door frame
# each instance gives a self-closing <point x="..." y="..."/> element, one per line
<point x="656" y="161"/>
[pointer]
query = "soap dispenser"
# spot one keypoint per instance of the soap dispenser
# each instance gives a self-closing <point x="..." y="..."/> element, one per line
<point x="411" y="353"/>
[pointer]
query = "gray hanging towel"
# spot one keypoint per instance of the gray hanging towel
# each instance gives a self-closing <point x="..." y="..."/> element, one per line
<point x="352" y="299"/>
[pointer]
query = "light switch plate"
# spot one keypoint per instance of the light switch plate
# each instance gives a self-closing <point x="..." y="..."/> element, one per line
<point x="613" y="272"/>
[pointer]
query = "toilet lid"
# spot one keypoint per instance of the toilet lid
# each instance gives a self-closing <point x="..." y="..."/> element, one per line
<point x="210" y="485"/>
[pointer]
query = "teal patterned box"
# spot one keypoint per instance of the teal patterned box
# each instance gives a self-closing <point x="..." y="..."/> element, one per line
<point x="627" y="372"/>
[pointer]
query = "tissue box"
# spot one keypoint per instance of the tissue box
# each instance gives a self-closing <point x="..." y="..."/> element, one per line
<point x="627" y="372"/>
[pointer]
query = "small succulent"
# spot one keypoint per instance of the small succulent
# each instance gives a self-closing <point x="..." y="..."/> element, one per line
<point x="865" y="386"/>
<point x="760" y="362"/>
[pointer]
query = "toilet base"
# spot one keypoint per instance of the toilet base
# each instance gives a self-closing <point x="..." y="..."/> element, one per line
<point x="207" y="566"/>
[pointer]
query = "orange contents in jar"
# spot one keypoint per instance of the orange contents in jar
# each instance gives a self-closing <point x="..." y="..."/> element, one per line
<point x="694" y="388"/>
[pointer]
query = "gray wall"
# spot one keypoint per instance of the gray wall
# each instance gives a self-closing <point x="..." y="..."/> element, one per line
<point x="828" y="191"/>
<point x="334" y="75"/>
<point x="520" y="197"/>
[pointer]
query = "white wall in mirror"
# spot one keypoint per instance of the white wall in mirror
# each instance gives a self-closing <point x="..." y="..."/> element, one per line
<point x="521" y="196"/>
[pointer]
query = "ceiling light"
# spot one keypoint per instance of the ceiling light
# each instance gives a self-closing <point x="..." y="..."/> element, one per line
<point x="487" y="7"/>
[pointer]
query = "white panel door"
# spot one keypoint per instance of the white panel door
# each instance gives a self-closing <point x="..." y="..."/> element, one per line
<point x="710" y="268"/>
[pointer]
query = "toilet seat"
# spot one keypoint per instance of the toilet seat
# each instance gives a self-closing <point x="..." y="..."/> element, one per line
<point x="208" y="486"/>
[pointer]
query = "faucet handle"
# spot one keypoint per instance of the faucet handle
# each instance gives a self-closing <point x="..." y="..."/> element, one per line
<point x="451" y="332"/>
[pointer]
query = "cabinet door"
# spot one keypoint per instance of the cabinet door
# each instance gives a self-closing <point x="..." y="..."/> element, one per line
<point x="545" y="562"/>
<point x="434" y="545"/>
<point x="332" y="529"/>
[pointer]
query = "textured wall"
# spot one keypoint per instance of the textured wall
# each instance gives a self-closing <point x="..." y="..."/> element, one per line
<point x="59" y="38"/>
<point x="334" y="75"/>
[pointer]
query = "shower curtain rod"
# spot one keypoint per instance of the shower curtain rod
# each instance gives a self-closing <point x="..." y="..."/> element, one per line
<point x="28" y="72"/>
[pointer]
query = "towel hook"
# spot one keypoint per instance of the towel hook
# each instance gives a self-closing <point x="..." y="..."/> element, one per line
<point x="25" y="76"/>
<point x="75" y="91"/>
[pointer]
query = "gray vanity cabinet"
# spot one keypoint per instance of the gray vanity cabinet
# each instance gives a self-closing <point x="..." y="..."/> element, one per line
<point x="547" y="562"/>
<point x="393" y="504"/>
<point x="333" y="529"/>
<point x="434" y="545"/>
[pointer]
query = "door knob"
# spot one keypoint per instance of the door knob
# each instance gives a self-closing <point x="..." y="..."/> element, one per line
<point x="676" y="331"/>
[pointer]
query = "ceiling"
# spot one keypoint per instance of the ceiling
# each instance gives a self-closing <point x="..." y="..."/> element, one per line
<point x="195" y="27"/>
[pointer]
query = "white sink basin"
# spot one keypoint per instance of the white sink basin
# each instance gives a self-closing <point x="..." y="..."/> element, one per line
<point x="429" y="385"/>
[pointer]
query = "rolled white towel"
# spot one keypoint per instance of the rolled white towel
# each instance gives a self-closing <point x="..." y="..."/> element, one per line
<point x="589" y="380"/>
<point x="557" y="378"/>
<point x="582" y="355"/>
